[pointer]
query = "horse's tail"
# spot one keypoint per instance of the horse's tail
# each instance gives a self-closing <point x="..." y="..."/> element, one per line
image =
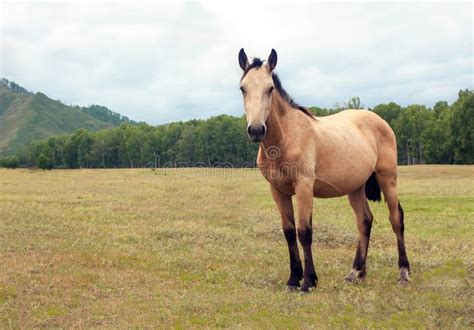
<point x="372" y="189"/>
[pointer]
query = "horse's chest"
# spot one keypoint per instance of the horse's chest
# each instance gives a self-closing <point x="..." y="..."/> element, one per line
<point x="280" y="175"/>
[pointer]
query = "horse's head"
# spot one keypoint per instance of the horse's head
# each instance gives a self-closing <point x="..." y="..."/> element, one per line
<point x="257" y="87"/>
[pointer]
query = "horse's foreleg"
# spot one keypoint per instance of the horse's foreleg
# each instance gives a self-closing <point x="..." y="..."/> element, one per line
<point x="285" y="206"/>
<point x="304" y="198"/>
<point x="364" y="217"/>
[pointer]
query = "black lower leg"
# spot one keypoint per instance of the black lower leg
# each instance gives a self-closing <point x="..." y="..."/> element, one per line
<point x="359" y="259"/>
<point x="402" y="253"/>
<point x="363" y="246"/>
<point x="309" y="274"/>
<point x="295" y="262"/>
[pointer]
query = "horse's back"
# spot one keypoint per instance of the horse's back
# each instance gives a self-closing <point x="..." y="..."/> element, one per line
<point x="357" y="121"/>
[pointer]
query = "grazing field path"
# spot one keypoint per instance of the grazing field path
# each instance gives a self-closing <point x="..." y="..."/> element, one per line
<point x="201" y="247"/>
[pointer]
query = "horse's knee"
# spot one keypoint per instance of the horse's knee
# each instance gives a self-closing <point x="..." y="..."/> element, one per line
<point x="288" y="224"/>
<point x="290" y="235"/>
<point x="305" y="235"/>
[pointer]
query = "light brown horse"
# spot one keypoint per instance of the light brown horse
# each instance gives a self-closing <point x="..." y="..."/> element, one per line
<point x="351" y="153"/>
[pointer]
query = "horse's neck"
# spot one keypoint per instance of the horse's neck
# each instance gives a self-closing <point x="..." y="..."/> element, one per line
<point x="276" y="124"/>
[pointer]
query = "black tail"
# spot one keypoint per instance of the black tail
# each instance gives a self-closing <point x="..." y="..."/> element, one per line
<point x="372" y="189"/>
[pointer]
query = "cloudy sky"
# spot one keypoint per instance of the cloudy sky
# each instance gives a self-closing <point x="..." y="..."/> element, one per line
<point x="161" y="61"/>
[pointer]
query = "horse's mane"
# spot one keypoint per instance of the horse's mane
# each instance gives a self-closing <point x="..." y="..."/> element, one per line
<point x="257" y="63"/>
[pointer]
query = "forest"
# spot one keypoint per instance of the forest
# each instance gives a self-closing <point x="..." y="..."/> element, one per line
<point x="439" y="135"/>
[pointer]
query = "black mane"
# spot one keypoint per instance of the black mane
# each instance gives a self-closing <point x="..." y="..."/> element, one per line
<point x="284" y="94"/>
<point x="257" y="63"/>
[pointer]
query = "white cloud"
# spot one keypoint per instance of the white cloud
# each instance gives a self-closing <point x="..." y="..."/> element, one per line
<point x="168" y="61"/>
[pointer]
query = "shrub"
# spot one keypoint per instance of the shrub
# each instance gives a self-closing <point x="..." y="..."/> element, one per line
<point x="10" y="162"/>
<point x="44" y="162"/>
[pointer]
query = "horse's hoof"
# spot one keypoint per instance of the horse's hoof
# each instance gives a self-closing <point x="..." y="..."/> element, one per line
<point x="307" y="290"/>
<point x="308" y="287"/>
<point x="355" y="276"/>
<point x="403" y="277"/>
<point x="291" y="288"/>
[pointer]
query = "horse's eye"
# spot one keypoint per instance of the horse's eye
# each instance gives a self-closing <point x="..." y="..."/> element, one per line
<point x="270" y="90"/>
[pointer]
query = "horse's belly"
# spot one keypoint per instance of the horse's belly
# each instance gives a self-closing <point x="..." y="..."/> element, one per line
<point x="343" y="177"/>
<point x="326" y="188"/>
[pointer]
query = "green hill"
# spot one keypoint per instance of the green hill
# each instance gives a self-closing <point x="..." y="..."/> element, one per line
<point x="26" y="117"/>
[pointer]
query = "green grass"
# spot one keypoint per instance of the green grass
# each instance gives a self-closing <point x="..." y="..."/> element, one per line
<point x="204" y="248"/>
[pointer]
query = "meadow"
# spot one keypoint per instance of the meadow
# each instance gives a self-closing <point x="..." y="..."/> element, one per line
<point x="204" y="248"/>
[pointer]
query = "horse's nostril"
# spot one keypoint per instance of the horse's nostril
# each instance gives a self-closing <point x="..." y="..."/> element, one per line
<point x="256" y="131"/>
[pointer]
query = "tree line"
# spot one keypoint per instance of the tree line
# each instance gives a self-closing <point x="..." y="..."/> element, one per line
<point x="14" y="87"/>
<point x="439" y="135"/>
<point x="103" y="113"/>
<point x="218" y="140"/>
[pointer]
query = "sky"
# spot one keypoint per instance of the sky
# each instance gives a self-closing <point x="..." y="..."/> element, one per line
<point x="160" y="62"/>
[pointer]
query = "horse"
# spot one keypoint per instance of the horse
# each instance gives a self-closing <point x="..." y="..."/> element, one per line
<point x="353" y="153"/>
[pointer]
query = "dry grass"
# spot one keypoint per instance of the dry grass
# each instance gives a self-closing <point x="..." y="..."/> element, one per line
<point x="193" y="248"/>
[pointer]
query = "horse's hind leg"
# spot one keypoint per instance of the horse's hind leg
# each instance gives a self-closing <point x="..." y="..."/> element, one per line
<point x="388" y="184"/>
<point x="364" y="217"/>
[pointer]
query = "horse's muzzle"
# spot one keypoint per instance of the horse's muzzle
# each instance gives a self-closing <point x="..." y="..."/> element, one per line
<point x="256" y="133"/>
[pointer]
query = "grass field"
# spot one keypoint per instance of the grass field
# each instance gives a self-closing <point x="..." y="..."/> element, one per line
<point x="204" y="248"/>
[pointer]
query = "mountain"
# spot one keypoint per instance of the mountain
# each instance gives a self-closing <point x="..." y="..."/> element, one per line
<point x="25" y="116"/>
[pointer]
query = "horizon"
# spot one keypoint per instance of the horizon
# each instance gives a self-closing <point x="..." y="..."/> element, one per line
<point x="334" y="108"/>
<point x="150" y="67"/>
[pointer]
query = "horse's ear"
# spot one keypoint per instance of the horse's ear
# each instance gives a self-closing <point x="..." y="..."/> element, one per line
<point x="272" y="60"/>
<point x="243" y="60"/>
